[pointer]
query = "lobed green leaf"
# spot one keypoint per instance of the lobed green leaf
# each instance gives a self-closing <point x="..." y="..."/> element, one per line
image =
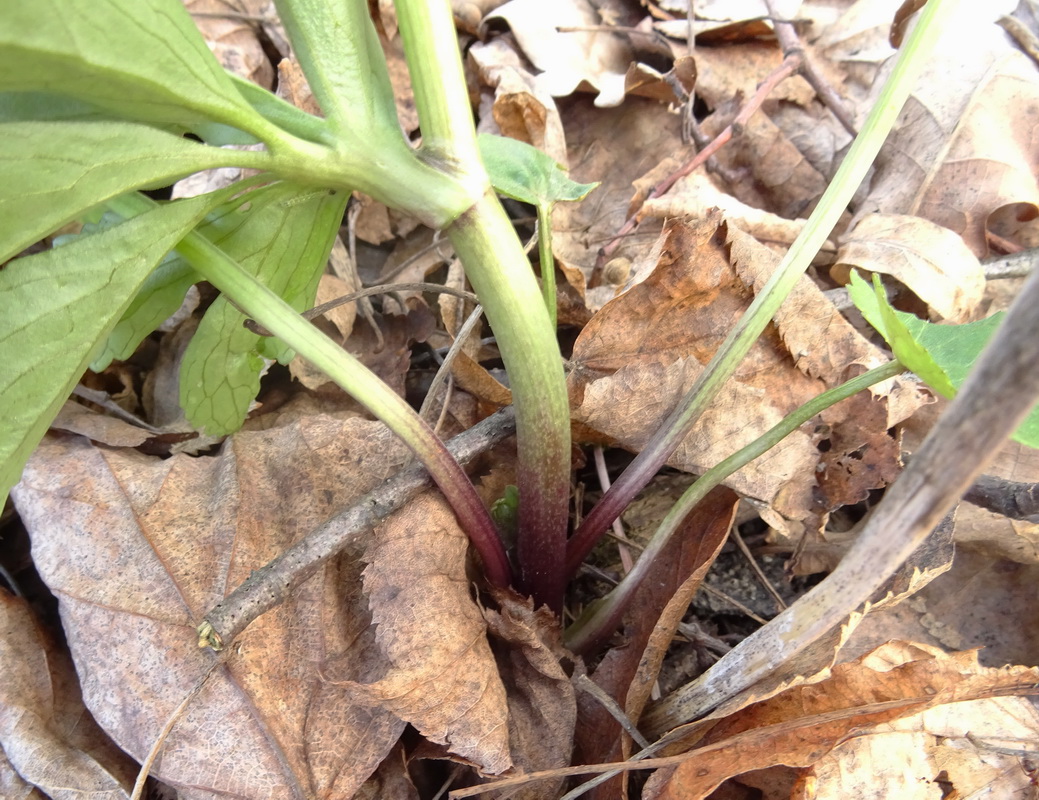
<point x="941" y="355"/>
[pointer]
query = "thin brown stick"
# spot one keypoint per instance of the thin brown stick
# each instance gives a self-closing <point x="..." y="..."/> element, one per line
<point x="272" y="585"/>
<point x="791" y="64"/>
<point x="786" y="35"/>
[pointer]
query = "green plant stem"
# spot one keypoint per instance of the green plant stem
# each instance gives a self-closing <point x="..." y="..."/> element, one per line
<point x="548" y="264"/>
<point x="601" y="619"/>
<point x="832" y="204"/>
<point x="427" y="31"/>
<point x="499" y="271"/>
<point x="283" y="321"/>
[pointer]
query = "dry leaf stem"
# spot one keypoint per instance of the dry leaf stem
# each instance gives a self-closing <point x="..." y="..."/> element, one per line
<point x="272" y="584"/>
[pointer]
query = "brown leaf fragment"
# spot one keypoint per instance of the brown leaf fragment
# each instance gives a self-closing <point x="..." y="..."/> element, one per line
<point x="391" y="359"/>
<point x="48" y="737"/>
<point x="76" y="418"/>
<point x="614" y="146"/>
<point x="568" y="59"/>
<point x="521" y="108"/>
<point x="137" y="549"/>
<point x="801" y="725"/>
<point x="440" y="673"/>
<point x="931" y="260"/>
<point x="542" y="705"/>
<point x="641" y="353"/>
<point x="860" y="455"/>
<point x="627" y="672"/>
<point x="233" y="40"/>
<point x="964" y="145"/>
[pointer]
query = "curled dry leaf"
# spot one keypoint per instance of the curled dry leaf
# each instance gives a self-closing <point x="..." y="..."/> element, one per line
<point x="628" y="672"/>
<point x="48" y="737"/>
<point x="568" y="59"/>
<point x="931" y="260"/>
<point x="522" y="108"/>
<point x="137" y="549"/>
<point x="541" y="701"/>
<point x="441" y="675"/>
<point x="964" y="146"/>
<point x="862" y="701"/>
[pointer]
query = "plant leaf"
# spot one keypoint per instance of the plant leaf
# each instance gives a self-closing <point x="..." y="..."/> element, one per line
<point x="283" y="237"/>
<point x="51" y="172"/>
<point x="142" y="59"/>
<point x="59" y="304"/>
<point x="522" y="172"/>
<point x="942" y="355"/>
<point x="161" y="294"/>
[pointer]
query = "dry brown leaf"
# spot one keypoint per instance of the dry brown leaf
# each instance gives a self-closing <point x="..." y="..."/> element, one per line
<point x="567" y="60"/>
<point x="391" y="779"/>
<point x="48" y="737"/>
<point x="964" y="147"/>
<point x="628" y="672"/>
<point x="521" y="108"/>
<point x="800" y="726"/>
<point x="694" y="195"/>
<point x="641" y="353"/>
<point x="137" y="549"/>
<point x="929" y="259"/>
<point x="233" y="40"/>
<point x="614" y="146"/>
<point x="76" y="418"/>
<point x="441" y="674"/>
<point x="947" y="751"/>
<point x="390" y="359"/>
<point x="542" y="706"/>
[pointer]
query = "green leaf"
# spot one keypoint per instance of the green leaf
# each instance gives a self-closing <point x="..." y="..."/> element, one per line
<point x="339" y="51"/>
<point x="142" y="59"/>
<point x="522" y="172"/>
<point x="941" y="355"/>
<point x="282" y="236"/>
<point x="58" y="305"/>
<point x="51" y="172"/>
<point x="159" y="297"/>
<point x="285" y="115"/>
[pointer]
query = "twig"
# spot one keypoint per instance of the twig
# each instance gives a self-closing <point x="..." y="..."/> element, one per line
<point x="794" y="61"/>
<point x="790" y="65"/>
<point x="786" y="34"/>
<point x="271" y="585"/>
<point x="445" y="368"/>
<point x="174" y="718"/>
<point x="586" y="684"/>
<point x="1011" y="499"/>
<point x="762" y="579"/>
<point x="618" y="527"/>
